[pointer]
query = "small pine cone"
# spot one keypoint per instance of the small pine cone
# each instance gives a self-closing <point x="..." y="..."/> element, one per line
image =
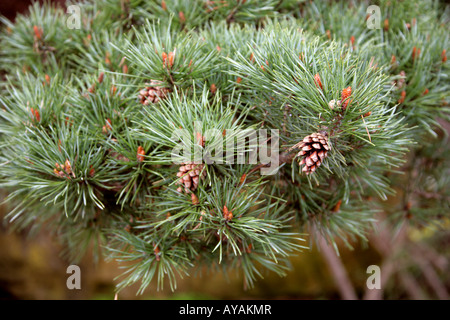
<point x="189" y="175"/>
<point x="402" y="80"/>
<point x="153" y="93"/>
<point x="314" y="149"/>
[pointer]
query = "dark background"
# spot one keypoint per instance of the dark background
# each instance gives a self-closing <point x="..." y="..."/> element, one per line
<point x="9" y="8"/>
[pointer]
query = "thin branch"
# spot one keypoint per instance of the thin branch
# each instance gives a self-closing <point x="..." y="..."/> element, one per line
<point x="422" y="250"/>
<point x="411" y="286"/>
<point x="387" y="269"/>
<point x="388" y="246"/>
<point x="337" y="269"/>
<point x="232" y="13"/>
<point x="431" y="277"/>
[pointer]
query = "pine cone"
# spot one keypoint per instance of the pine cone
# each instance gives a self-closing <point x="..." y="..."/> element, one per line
<point x="153" y="93"/>
<point x="117" y="156"/>
<point x="190" y="174"/>
<point x="314" y="148"/>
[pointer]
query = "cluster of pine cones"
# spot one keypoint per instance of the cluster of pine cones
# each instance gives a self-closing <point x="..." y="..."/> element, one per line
<point x="153" y="93"/>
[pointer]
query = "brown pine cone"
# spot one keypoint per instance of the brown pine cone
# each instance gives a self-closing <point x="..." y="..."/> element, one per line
<point x="117" y="156"/>
<point x="314" y="149"/>
<point x="153" y="93"/>
<point x="190" y="174"/>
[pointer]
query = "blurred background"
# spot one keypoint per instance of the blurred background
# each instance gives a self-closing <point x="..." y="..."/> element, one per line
<point x="414" y="261"/>
<point x="414" y="264"/>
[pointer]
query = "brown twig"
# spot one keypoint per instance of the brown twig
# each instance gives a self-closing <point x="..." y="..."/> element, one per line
<point x="387" y="269"/>
<point x="232" y="13"/>
<point x="337" y="269"/>
<point x="411" y="286"/>
<point x="431" y="277"/>
<point x="439" y="261"/>
<point x="388" y="246"/>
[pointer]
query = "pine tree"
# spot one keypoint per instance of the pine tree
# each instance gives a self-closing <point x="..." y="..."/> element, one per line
<point x="91" y="119"/>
